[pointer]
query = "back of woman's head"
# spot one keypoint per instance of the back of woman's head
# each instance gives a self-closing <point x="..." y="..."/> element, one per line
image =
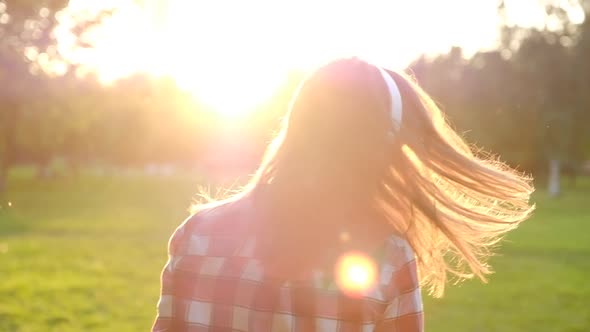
<point x="335" y="137"/>
<point x="343" y="161"/>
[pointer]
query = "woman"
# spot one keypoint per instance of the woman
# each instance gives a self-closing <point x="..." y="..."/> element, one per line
<point x="365" y="194"/>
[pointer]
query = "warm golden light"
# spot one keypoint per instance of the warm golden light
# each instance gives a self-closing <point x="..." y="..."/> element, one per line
<point x="233" y="54"/>
<point x="355" y="273"/>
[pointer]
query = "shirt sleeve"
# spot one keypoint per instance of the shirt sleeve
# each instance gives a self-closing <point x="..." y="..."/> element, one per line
<point x="404" y="313"/>
<point x="166" y="319"/>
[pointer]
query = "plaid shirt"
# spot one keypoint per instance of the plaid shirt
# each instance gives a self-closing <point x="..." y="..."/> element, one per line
<point x="213" y="282"/>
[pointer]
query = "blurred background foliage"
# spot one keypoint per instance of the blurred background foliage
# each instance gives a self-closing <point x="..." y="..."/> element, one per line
<point x="527" y="101"/>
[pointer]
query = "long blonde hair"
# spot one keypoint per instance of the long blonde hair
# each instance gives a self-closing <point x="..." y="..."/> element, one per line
<point x="338" y="162"/>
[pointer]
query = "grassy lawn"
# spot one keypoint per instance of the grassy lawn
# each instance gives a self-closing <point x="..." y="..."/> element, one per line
<point x="80" y="255"/>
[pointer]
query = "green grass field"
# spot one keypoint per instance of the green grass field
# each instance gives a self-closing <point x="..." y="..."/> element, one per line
<point x="86" y="255"/>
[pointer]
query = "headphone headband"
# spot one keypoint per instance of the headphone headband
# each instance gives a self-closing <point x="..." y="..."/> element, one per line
<point x="396" y="98"/>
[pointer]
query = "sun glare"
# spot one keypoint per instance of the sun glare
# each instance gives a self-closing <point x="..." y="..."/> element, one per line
<point x="232" y="55"/>
<point x="355" y="273"/>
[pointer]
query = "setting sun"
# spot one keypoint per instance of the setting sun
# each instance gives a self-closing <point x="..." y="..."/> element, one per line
<point x="233" y="55"/>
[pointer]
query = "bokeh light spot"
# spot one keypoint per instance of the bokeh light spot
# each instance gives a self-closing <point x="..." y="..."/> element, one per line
<point x="344" y="236"/>
<point x="355" y="273"/>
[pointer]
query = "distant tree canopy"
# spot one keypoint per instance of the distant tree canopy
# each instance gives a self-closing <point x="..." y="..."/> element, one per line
<point x="527" y="101"/>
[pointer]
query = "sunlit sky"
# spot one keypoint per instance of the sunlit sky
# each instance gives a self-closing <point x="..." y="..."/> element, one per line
<point x="245" y="48"/>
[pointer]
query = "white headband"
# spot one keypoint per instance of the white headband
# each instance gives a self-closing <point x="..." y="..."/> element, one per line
<point x="396" y="98"/>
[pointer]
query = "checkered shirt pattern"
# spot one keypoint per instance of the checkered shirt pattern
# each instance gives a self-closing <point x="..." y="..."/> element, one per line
<point x="213" y="282"/>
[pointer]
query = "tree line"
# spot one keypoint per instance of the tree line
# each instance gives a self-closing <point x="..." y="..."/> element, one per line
<point x="527" y="101"/>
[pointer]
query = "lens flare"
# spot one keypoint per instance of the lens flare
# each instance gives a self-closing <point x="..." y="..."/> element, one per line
<point x="234" y="55"/>
<point x="355" y="273"/>
<point x="344" y="236"/>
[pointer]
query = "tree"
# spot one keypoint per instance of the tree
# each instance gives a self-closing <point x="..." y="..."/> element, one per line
<point x="527" y="100"/>
<point x="23" y="24"/>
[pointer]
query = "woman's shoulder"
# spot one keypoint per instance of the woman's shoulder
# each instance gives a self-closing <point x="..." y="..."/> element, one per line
<point x="397" y="251"/>
<point x="219" y="219"/>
